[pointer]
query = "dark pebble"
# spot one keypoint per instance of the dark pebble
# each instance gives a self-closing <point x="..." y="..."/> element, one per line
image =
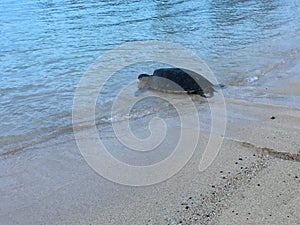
<point x="258" y="185"/>
<point x="296" y="177"/>
<point x="240" y="159"/>
<point x="272" y="117"/>
<point x="213" y="186"/>
<point x="187" y="207"/>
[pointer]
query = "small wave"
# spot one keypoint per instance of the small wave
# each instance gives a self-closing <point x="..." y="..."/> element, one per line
<point x="15" y="143"/>
<point x="12" y="144"/>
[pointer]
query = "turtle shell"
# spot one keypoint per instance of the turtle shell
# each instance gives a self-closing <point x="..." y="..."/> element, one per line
<point x="177" y="80"/>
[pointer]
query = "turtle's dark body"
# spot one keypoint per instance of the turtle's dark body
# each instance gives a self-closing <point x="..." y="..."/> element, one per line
<point x="176" y="80"/>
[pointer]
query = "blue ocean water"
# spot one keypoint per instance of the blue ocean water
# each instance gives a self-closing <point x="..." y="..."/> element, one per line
<point x="47" y="45"/>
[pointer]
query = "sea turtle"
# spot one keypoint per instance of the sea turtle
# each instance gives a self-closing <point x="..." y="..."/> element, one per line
<point x="176" y="80"/>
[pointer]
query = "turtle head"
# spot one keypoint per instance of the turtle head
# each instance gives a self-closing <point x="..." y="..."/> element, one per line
<point x="143" y="83"/>
<point x="143" y="76"/>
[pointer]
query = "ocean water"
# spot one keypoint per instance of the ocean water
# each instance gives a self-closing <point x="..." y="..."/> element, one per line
<point x="46" y="47"/>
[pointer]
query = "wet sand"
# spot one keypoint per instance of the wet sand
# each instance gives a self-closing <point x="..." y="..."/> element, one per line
<point x="255" y="178"/>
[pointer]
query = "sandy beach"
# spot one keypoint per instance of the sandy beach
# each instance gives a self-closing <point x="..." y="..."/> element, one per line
<point x="255" y="178"/>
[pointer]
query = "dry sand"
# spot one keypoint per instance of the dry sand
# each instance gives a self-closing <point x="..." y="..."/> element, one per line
<point x="255" y="179"/>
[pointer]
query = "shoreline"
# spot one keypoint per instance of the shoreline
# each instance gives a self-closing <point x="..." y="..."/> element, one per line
<point x="56" y="186"/>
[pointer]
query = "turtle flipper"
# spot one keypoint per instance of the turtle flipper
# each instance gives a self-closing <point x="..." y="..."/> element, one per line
<point x="197" y="92"/>
<point x="140" y="91"/>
